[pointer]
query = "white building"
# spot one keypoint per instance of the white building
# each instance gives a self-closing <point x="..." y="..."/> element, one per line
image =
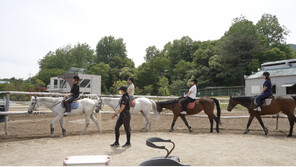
<point x="89" y="84"/>
<point x="282" y="75"/>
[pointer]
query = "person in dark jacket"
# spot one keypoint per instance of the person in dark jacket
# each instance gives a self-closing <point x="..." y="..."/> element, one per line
<point x="73" y="95"/>
<point x="266" y="92"/>
<point x="124" y="118"/>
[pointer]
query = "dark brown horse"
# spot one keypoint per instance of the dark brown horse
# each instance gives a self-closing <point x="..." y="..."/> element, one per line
<point x="284" y="103"/>
<point x="204" y="103"/>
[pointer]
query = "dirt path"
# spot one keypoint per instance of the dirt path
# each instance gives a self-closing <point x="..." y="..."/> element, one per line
<point x="29" y="142"/>
<point x="193" y="149"/>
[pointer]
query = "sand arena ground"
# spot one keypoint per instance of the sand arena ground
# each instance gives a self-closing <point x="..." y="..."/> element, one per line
<point x="29" y="141"/>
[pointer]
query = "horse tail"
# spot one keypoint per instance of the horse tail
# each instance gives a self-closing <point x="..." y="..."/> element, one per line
<point x="218" y="109"/>
<point x="154" y="109"/>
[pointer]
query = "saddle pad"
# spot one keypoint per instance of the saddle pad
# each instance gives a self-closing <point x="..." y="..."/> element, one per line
<point x="266" y="102"/>
<point x="132" y="103"/>
<point x="74" y="105"/>
<point x="190" y="105"/>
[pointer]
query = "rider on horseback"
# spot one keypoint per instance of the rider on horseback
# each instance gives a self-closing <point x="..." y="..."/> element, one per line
<point x="266" y="92"/>
<point x="73" y="95"/>
<point x="131" y="88"/>
<point x="189" y="97"/>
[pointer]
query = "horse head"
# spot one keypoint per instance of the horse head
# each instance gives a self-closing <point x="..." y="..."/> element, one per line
<point x="99" y="105"/>
<point x="231" y="104"/>
<point x="158" y="107"/>
<point x="32" y="105"/>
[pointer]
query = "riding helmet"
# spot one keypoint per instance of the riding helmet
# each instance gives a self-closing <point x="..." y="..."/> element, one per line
<point x="194" y="80"/>
<point x="266" y="74"/>
<point x="124" y="88"/>
<point x="76" y="78"/>
<point x="131" y="79"/>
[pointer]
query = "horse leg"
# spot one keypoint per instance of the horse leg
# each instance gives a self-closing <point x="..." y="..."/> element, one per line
<point x="93" y="118"/>
<point x="186" y="123"/>
<point x="148" y="122"/>
<point x="249" y="123"/>
<point x="87" y="118"/>
<point x="173" y="123"/>
<point x="212" y="117"/>
<point x="62" y="126"/>
<point x="261" y="123"/>
<point x="291" y="120"/>
<point x="52" y="122"/>
<point x="211" y="122"/>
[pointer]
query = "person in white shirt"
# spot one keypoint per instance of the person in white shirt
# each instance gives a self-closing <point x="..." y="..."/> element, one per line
<point x="189" y="97"/>
<point x="131" y="88"/>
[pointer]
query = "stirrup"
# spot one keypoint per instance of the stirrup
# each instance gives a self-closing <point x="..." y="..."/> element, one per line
<point x="258" y="109"/>
<point x="183" y="112"/>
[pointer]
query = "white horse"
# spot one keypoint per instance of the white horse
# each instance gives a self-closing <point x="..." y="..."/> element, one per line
<point x="86" y="106"/>
<point x="143" y="105"/>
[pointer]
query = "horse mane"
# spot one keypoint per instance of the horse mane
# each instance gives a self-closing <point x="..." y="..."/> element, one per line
<point x="243" y="98"/>
<point x="168" y="102"/>
<point x="53" y="99"/>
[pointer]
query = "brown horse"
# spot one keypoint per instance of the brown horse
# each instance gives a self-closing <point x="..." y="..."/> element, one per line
<point x="204" y="103"/>
<point x="284" y="103"/>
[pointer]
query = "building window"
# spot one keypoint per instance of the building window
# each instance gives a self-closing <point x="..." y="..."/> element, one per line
<point x="291" y="90"/>
<point x="55" y="83"/>
<point x="273" y="89"/>
<point x="85" y="83"/>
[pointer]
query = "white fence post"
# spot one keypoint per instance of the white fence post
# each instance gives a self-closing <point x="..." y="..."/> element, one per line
<point x="7" y="99"/>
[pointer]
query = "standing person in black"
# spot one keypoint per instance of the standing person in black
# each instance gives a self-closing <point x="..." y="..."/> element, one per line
<point x="69" y="98"/>
<point x="124" y="118"/>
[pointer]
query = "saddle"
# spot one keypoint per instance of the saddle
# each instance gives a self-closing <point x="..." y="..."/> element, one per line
<point x="267" y="101"/>
<point x="132" y="103"/>
<point x="190" y="105"/>
<point x="74" y="104"/>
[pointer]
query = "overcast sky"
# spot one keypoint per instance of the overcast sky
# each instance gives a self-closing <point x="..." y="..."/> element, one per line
<point x="29" y="29"/>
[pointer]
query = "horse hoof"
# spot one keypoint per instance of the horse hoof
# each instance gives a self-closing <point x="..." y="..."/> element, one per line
<point x="171" y="130"/>
<point x="289" y="135"/>
<point x="190" y="129"/>
<point x="64" y="132"/>
<point x="266" y="131"/>
<point x="246" y="131"/>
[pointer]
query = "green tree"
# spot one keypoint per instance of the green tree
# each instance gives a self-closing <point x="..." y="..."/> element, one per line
<point x="176" y="86"/>
<point x="145" y="76"/>
<point x="239" y="45"/>
<point x="109" y="47"/>
<point x="116" y="85"/>
<point x="181" y="69"/>
<point x="161" y="65"/>
<point x="60" y="59"/>
<point x="182" y="49"/>
<point x="151" y="52"/>
<point x="270" y="28"/>
<point x="45" y="74"/>
<point x="274" y="54"/>
<point x="82" y="56"/>
<point x="126" y="72"/>
<point x="163" y="86"/>
<point x="103" y="70"/>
